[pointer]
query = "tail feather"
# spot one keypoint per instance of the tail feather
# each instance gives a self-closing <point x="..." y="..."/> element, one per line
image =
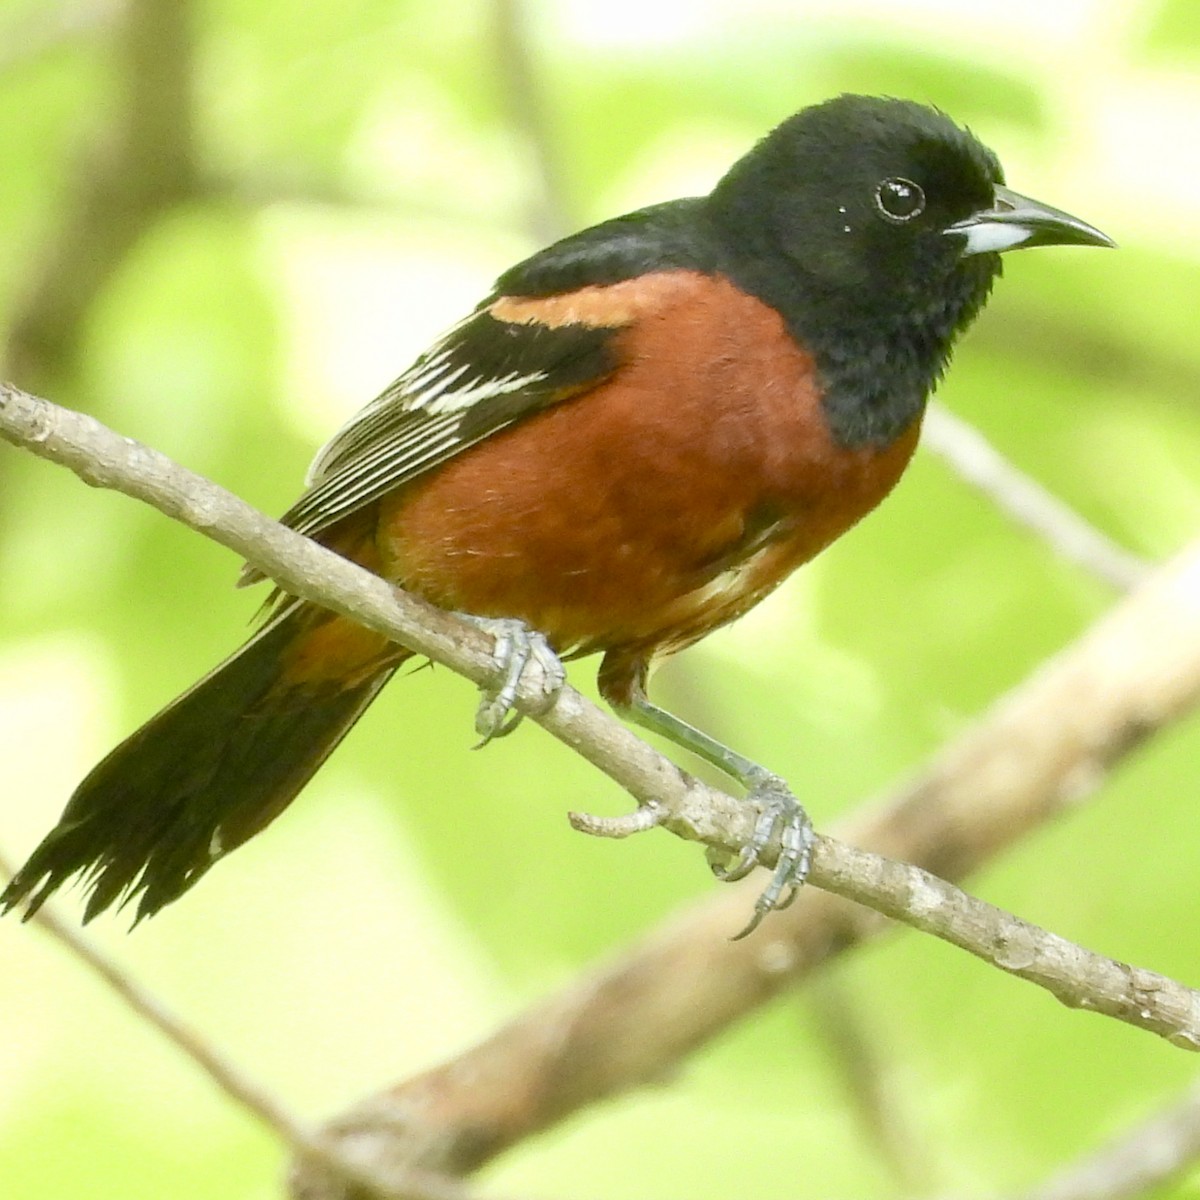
<point x="211" y="769"/>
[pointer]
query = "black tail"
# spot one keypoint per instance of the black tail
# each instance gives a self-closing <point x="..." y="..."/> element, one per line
<point x="211" y="769"/>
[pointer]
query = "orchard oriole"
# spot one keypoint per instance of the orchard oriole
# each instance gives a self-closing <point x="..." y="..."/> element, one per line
<point x="631" y="441"/>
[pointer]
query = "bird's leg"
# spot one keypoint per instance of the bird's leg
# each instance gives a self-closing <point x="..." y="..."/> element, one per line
<point x="780" y="813"/>
<point x="516" y="646"/>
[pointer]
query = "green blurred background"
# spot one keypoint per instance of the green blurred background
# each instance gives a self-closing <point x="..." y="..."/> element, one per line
<point x="352" y="176"/>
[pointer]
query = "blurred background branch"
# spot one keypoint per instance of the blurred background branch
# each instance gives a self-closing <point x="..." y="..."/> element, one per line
<point x="1022" y="498"/>
<point x="851" y="1034"/>
<point x="230" y="1080"/>
<point x="1134" y="1163"/>
<point x="140" y="167"/>
<point x="530" y="110"/>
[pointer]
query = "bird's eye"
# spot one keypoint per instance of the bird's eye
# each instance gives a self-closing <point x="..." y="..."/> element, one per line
<point x="899" y="200"/>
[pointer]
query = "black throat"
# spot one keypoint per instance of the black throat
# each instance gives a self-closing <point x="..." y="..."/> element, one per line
<point x="879" y="358"/>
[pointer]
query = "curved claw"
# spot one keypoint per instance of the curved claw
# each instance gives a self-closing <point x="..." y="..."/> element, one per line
<point x="780" y="815"/>
<point x="516" y="646"/>
<point x="483" y="724"/>
<point x="741" y="866"/>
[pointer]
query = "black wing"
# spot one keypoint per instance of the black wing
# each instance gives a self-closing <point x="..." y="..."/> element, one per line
<point x="487" y="372"/>
<point x="483" y="375"/>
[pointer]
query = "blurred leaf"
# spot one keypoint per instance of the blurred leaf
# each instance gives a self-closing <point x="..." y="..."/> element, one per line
<point x="974" y="93"/>
<point x="1174" y="29"/>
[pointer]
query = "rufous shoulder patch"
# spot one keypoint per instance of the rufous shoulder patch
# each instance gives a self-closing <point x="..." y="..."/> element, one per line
<point x="609" y="306"/>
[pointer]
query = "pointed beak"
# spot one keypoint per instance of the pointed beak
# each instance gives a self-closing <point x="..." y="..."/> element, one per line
<point x="1016" y="221"/>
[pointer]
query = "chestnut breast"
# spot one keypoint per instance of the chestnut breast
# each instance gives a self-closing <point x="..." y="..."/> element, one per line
<point x="662" y="502"/>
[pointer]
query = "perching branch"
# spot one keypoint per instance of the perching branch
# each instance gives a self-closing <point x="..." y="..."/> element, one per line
<point x="1040" y="750"/>
<point x="1155" y="654"/>
<point x="1042" y="747"/>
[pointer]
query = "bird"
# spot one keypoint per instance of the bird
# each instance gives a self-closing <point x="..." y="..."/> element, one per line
<point x="634" y="438"/>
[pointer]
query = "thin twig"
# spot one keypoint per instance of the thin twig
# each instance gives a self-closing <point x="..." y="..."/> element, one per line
<point x="1028" y="502"/>
<point x="1146" y="1156"/>
<point x="549" y="213"/>
<point x="1077" y="977"/>
<point x="314" y="1147"/>
<point x="849" y="1032"/>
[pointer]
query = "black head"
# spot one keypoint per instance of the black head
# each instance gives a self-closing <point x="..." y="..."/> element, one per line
<point x="875" y="226"/>
<point x="858" y="192"/>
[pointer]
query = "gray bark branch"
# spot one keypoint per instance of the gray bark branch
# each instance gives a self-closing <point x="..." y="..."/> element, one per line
<point x="1043" y="747"/>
